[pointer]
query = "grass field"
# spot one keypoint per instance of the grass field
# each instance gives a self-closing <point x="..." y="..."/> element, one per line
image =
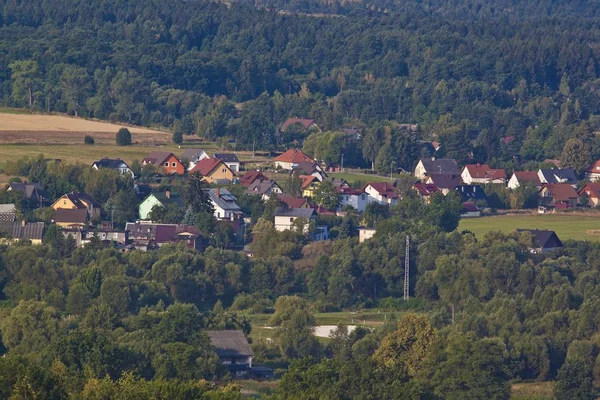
<point x="532" y="391"/>
<point x="354" y="176"/>
<point x="576" y="227"/>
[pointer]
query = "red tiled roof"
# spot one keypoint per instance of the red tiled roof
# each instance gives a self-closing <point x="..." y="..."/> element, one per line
<point x="157" y="157"/>
<point x="294" y="156"/>
<point x="250" y="176"/>
<point x="562" y="191"/>
<point x="528" y="177"/>
<point x="594" y="168"/>
<point x="385" y="189"/>
<point x="483" y="171"/>
<point x="307" y="180"/>
<point x="426" y="189"/>
<point x="469" y="207"/>
<point x="350" y="191"/>
<point x="291" y="202"/>
<point x="206" y="166"/>
<point x="591" y="189"/>
<point x="306" y="123"/>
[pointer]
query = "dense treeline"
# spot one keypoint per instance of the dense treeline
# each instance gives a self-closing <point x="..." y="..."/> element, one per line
<point x="184" y="64"/>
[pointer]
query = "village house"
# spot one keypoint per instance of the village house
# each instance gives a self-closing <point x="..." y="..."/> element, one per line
<point x="230" y="160"/>
<point x="444" y="182"/>
<point x="482" y="174"/>
<point x="519" y="178"/>
<point x="225" y="205"/>
<point x="192" y="156"/>
<point x="71" y="219"/>
<point x="114" y="164"/>
<point x="592" y="192"/>
<point x="264" y="189"/>
<point x="8" y="213"/>
<point x="544" y="241"/>
<point x="309" y="185"/>
<point x="22" y="231"/>
<point x="291" y="158"/>
<point x="85" y="236"/>
<point x="30" y="190"/>
<point x="303" y="123"/>
<point x="425" y="191"/>
<point x="472" y="193"/>
<point x="382" y="193"/>
<point x="160" y="199"/>
<point x="353" y="133"/>
<point x="233" y="350"/>
<point x="365" y="233"/>
<point x="470" y="210"/>
<point x="293" y="202"/>
<point x="553" y="176"/>
<point x="558" y="195"/>
<point x="168" y="162"/>
<point x="214" y="171"/>
<point x="429" y="166"/>
<point x="285" y="218"/>
<point x="593" y="172"/>
<point x="148" y="236"/>
<point x="355" y="198"/>
<point x="79" y="201"/>
<point x="250" y="177"/>
<point x="309" y="169"/>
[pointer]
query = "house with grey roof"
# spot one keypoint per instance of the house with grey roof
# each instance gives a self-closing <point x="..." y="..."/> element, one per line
<point x="115" y="164"/>
<point x="192" y="156"/>
<point x="233" y="350"/>
<point x="544" y="240"/>
<point x="230" y="160"/>
<point x="558" y="175"/>
<point x="285" y="218"/>
<point x="264" y="188"/>
<point x="430" y="166"/>
<point x="8" y="212"/>
<point x="225" y="205"/>
<point x="17" y="231"/>
<point x="30" y="190"/>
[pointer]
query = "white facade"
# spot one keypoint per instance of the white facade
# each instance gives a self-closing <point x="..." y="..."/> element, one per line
<point x="122" y="168"/>
<point x="285" y="222"/>
<point x="420" y="171"/>
<point x="233" y="166"/>
<point x="513" y="182"/>
<point x="358" y="201"/>
<point x="365" y="234"/>
<point x="201" y="155"/>
<point x="375" y="197"/>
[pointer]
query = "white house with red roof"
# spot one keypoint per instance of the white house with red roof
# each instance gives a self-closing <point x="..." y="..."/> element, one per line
<point x="355" y="198"/>
<point x="519" y="178"/>
<point x="382" y="193"/>
<point x="482" y="174"/>
<point x="593" y="172"/>
<point x="291" y="158"/>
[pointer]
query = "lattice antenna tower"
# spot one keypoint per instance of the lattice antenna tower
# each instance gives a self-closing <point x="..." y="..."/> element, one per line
<point x="407" y="268"/>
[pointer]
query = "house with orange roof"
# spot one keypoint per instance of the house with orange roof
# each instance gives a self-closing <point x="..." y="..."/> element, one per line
<point x="519" y="178"/>
<point x="558" y="195"/>
<point x="309" y="185"/>
<point x="213" y="170"/>
<point x="293" y="202"/>
<point x="593" y="172"/>
<point x="482" y="174"/>
<point x="592" y="192"/>
<point x="291" y="158"/>
<point x="252" y="176"/>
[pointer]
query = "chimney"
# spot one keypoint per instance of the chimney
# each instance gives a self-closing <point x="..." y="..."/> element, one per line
<point x="432" y="158"/>
<point x="218" y="192"/>
<point x="23" y="223"/>
<point x="168" y="194"/>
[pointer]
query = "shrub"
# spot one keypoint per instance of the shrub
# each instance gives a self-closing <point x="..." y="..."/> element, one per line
<point x="177" y="137"/>
<point x="88" y="140"/>
<point x="123" y="137"/>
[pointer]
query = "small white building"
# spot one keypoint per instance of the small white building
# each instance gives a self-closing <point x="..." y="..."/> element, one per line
<point x="230" y="160"/>
<point x="482" y="174"/>
<point x="225" y="205"/>
<point x="519" y="178"/>
<point x="285" y="218"/>
<point x="365" y="233"/>
<point x="116" y="164"/>
<point x="357" y="199"/>
<point x="192" y="156"/>
<point x="382" y="193"/>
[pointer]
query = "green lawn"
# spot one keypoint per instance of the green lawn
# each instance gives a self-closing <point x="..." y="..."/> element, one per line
<point x="576" y="227"/>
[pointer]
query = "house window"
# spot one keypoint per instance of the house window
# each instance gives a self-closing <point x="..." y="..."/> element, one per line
<point x="166" y="164"/>
<point x="291" y="219"/>
<point x="218" y="215"/>
<point x="224" y="170"/>
<point x="115" y="235"/>
<point x="64" y="202"/>
<point x="174" y="164"/>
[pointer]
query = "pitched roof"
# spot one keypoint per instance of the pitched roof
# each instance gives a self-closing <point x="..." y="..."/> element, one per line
<point x="385" y="189"/>
<point x="294" y="212"/>
<point x="261" y="187"/>
<point x="559" y="175"/>
<point x="224" y="200"/>
<point x="250" y="177"/>
<point x="307" y="168"/>
<point x="483" y="171"/>
<point x="159" y="233"/>
<point x="467" y="206"/>
<point x="426" y="189"/>
<point x="8" y="208"/>
<point x="561" y="191"/>
<point x="440" y="166"/>
<point x="207" y="165"/>
<point x="445" y="181"/>
<point x="544" y="238"/>
<point x="307" y="180"/>
<point x="594" y="168"/>
<point x="192" y="154"/>
<point x="294" y="156"/>
<point x="226" y="157"/>
<point x="527" y="177"/>
<point x="408" y="127"/>
<point x="29" y="230"/>
<point x="306" y="123"/>
<point x="157" y="157"/>
<point x="291" y="202"/>
<point x="471" y="192"/>
<point x="171" y="198"/>
<point x="110" y="163"/>
<point x="75" y="216"/>
<point x="230" y="343"/>
<point x="349" y="191"/>
<point x="78" y="200"/>
<point x="593" y="188"/>
<point x="27" y="188"/>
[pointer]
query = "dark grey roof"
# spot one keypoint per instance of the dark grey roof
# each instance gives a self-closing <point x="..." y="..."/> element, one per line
<point x="440" y="166"/>
<point x="165" y="200"/>
<point x="111" y="163"/>
<point x="544" y="239"/>
<point x="192" y="154"/>
<point x="446" y="181"/>
<point x="230" y="343"/>
<point x="294" y="212"/>
<point x="18" y="230"/>
<point x="28" y="189"/>
<point x="471" y="192"/>
<point x="76" y="215"/>
<point x="225" y="200"/>
<point x="262" y="187"/>
<point x="226" y="157"/>
<point x="563" y="175"/>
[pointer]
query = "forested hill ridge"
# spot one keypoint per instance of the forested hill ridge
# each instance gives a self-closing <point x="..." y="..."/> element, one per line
<point x="239" y="71"/>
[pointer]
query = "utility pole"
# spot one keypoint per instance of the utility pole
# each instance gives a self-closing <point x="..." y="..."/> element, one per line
<point x="342" y="167"/>
<point x="392" y="170"/>
<point x="407" y="269"/>
<point x="253" y="142"/>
